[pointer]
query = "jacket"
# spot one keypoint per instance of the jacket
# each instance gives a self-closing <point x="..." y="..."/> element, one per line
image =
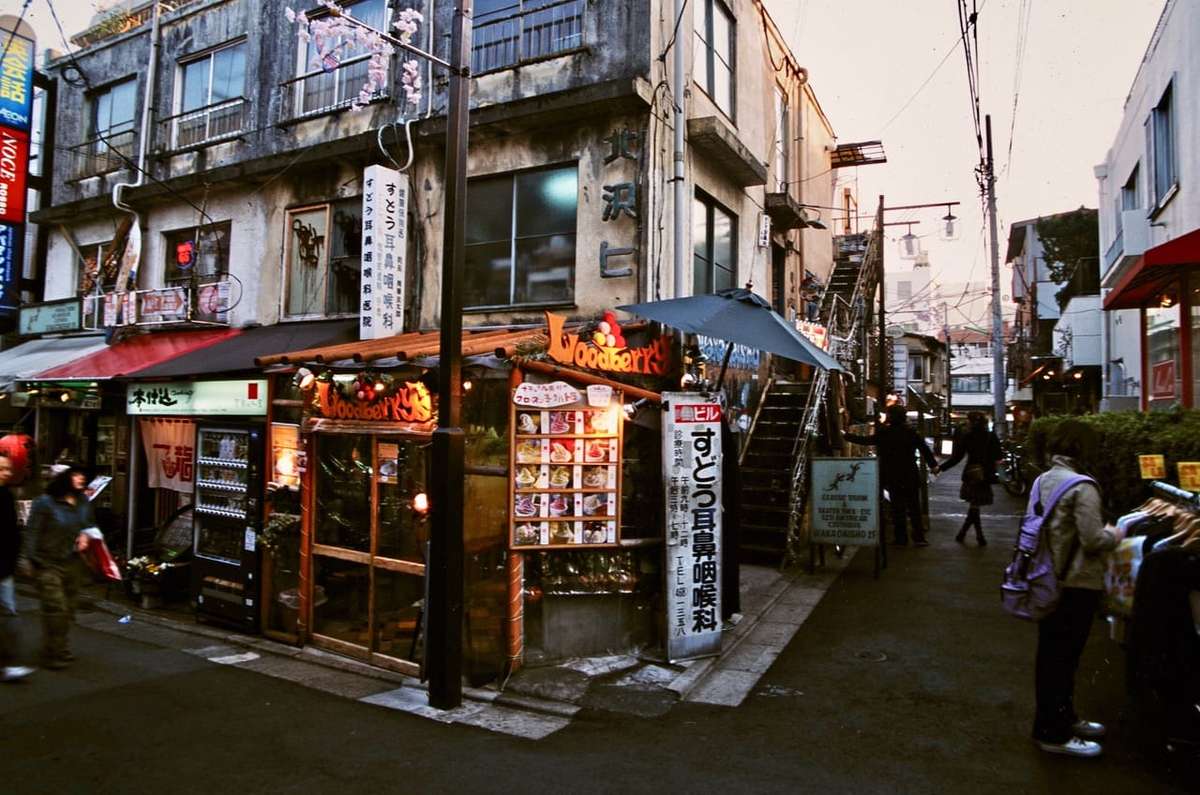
<point x="1077" y="516"/>
<point x="897" y="446"/>
<point x="10" y="533"/>
<point x="49" y="538"/>
<point x="978" y="447"/>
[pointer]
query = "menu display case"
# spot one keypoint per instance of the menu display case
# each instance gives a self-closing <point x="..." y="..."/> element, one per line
<point x="566" y="465"/>
<point x="227" y="518"/>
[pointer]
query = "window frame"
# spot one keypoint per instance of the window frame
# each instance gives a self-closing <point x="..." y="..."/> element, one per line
<point x="303" y="70"/>
<point x="177" y="99"/>
<point x="326" y="261"/>
<point x="1156" y="199"/>
<point x="223" y="271"/>
<point x="514" y="237"/>
<point x="711" y="8"/>
<point x="712" y="207"/>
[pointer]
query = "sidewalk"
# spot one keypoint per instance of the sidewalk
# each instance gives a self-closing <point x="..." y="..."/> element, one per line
<point x="535" y="702"/>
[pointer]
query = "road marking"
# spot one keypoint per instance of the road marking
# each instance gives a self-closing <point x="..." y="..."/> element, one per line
<point x="234" y="659"/>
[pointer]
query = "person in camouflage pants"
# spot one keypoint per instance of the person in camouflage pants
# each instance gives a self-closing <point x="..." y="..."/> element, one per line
<point x="51" y="544"/>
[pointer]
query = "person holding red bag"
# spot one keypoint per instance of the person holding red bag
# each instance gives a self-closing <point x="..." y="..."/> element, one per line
<point x="53" y="539"/>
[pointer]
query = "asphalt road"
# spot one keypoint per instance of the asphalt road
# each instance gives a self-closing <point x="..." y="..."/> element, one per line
<point x="916" y="682"/>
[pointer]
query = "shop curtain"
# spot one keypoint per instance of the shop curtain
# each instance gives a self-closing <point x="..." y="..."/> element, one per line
<point x="170" y="452"/>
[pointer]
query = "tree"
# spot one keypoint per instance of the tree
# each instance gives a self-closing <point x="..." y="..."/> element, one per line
<point x="1070" y="240"/>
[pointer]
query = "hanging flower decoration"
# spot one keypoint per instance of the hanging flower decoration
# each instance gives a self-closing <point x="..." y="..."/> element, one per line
<point x="333" y="33"/>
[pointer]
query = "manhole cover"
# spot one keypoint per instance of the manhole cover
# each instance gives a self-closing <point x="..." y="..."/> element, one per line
<point x="871" y="656"/>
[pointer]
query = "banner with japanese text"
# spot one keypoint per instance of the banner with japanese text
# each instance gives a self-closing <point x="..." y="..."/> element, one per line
<point x="384" y="251"/>
<point x="692" y="474"/>
<point x="170" y="454"/>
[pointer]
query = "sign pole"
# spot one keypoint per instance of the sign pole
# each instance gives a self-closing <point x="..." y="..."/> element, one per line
<point x="445" y="573"/>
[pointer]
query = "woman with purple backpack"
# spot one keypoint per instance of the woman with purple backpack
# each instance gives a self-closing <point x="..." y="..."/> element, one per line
<point x="1079" y="543"/>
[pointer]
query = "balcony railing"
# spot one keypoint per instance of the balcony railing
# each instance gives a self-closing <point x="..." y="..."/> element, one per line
<point x="221" y="121"/>
<point x="526" y="36"/>
<point x="102" y="155"/>
<point x="321" y="92"/>
<point x="1114" y="250"/>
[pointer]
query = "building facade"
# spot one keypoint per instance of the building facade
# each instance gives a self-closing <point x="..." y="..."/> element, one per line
<point x="1149" y="228"/>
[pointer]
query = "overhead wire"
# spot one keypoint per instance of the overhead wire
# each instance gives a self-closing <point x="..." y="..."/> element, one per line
<point x="1024" y="15"/>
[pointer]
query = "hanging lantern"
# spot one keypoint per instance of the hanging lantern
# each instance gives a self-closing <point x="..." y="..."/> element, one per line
<point x="949" y="229"/>
<point x="910" y="246"/>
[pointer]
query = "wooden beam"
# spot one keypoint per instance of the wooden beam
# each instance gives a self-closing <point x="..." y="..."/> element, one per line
<point x="545" y="368"/>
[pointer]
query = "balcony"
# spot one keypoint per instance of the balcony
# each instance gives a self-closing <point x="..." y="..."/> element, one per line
<point x="530" y="35"/>
<point x="195" y="129"/>
<point x="714" y="139"/>
<point x="321" y="92"/>
<point x="102" y="155"/>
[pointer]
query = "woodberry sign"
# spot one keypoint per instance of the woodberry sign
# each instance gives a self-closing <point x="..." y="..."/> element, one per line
<point x="571" y="349"/>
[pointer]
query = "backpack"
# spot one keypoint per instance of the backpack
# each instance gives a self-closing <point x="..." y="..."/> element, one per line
<point x="1030" y="589"/>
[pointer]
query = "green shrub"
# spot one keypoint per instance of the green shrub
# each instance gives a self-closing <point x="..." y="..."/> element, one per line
<point x="1124" y="435"/>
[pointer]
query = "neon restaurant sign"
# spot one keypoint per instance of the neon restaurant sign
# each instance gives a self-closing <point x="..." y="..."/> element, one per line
<point x="407" y="402"/>
<point x="613" y="356"/>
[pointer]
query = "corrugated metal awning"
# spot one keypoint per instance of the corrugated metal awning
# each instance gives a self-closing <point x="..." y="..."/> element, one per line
<point x="29" y="359"/>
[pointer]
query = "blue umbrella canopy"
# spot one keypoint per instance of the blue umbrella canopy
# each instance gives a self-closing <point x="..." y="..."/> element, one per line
<point x="738" y="316"/>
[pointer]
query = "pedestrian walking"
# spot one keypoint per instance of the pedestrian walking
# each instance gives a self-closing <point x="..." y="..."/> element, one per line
<point x="10" y="547"/>
<point x="980" y="446"/>
<point x="1079" y="544"/>
<point x="52" y="541"/>
<point x="898" y="445"/>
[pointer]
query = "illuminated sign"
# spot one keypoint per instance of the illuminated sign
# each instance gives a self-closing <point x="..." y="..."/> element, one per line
<point x="565" y="348"/>
<point x="411" y="402"/>
<point x="16" y="81"/>
<point x="1152" y="467"/>
<point x="14" y="163"/>
<point x="10" y="265"/>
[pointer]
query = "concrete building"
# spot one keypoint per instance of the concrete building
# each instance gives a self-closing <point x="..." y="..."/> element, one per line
<point x="1149" y="233"/>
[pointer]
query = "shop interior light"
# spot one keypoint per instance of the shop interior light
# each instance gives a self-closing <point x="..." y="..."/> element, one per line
<point x="304" y="379"/>
<point x="1078" y="375"/>
<point x="33" y="391"/>
<point x="467" y="386"/>
<point x="380" y="386"/>
<point x="1167" y="301"/>
<point x="420" y="503"/>
<point x="65" y="397"/>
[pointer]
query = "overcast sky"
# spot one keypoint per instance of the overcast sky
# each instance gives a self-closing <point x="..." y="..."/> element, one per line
<point x="866" y="59"/>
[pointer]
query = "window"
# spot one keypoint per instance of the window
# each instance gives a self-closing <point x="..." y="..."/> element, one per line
<point x="507" y="32"/>
<point x="334" y="84"/>
<point x="110" y="131"/>
<point x="904" y="291"/>
<point x="200" y="253"/>
<point x="714" y="244"/>
<point x="916" y="368"/>
<point x="521" y="238"/>
<point x="324" y="246"/>
<point x="210" y="101"/>
<point x="91" y="268"/>
<point x="713" y="54"/>
<point x="782" y="142"/>
<point x="1128" y="198"/>
<point x="971" y="384"/>
<point x="1160" y="143"/>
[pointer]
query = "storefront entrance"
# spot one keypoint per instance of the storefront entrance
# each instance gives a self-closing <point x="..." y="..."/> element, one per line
<point x="369" y="533"/>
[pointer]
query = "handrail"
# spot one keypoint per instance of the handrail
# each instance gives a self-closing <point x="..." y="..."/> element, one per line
<point x="205" y="109"/>
<point x="296" y="94"/>
<point x="319" y="72"/>
<point x="195" y="128"/>
<point x="92" y="160"/>
<point x="754" y="422"/>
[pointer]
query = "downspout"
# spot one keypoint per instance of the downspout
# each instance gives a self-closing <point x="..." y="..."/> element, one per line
<point x="147" y="108"/>
<point x="681" y="202"/>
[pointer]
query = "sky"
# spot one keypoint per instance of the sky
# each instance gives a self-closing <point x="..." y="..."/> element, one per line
<point x="867" y="59"/>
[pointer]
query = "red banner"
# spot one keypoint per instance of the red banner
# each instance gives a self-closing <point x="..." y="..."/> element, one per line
<point x="14" y="163"/>
<point x="1162" y="384"/>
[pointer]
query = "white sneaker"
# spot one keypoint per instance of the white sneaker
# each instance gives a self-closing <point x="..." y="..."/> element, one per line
<point x="1072" y="747"/>
<point x="1089" y="729"/>
<point x="15" y="673"/>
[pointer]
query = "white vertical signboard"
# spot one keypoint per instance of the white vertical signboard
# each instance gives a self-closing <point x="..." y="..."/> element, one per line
<point x="692" y="475"/>
<point x="845" y="501"/>
<point x="384" y="250"/>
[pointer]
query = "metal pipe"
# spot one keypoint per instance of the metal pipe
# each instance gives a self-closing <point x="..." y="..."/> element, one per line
<point x="681" y="202"/>
<point x="147" y="109"/>
<point x="135" y="447"/>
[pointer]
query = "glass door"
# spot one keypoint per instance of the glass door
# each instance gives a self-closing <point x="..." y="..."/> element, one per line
<point x="368" y="549"/>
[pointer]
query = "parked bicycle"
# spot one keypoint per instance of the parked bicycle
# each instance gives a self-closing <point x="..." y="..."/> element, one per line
<point x="1019" y="471"/>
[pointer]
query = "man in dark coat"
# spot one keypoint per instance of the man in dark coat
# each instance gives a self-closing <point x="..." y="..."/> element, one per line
<point x="898" y="445"/>
<point x="10" y="547"/>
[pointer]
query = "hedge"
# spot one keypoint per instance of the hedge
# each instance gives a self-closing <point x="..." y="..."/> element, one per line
<point x="1124" y="435"/>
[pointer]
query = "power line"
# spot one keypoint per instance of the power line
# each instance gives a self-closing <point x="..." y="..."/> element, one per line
<point x="1024" y="15"/>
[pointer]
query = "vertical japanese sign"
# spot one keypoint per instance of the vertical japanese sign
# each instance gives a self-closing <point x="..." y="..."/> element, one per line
<point x="384" y="251"/>
<point x="16" y="114"/>
<point x="692" y="474"/>
<point x="845" y="501"/>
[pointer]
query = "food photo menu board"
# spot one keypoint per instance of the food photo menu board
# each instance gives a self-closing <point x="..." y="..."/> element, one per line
<point x="566" y="466"/>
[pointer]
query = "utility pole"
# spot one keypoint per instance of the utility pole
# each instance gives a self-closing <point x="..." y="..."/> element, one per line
<point x="681" y="198"/>
<point x="445" y="579"/>
<point x="999" y="404"/>
<point x="883" y="337"/>
<point x="949" y="367"/>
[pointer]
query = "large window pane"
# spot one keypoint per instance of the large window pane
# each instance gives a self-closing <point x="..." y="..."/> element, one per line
<point x="701" y="276"/>
<point x="195" y="85"/>
<point x="1164" y="365"/>
<point x="546" y="201"/>
<point x="722" y="278"/>
<point x="398" y="607"/>
<point x="700" y="214"/>
<point x="124" y="102"/>
<point x="307" y="235"/>
<point x="229" y="73"/>
<point x="345" y="258"/>
<point x="343" y="516"/>
<point x="489" y="270"/>
<point x="341" y="599"/>
<point x="722" y="27"/>
<point x="722" y="244"/>
<point x="402" y="533"/>
<point x="545" y="269"/>
<point x="489" y="210"/>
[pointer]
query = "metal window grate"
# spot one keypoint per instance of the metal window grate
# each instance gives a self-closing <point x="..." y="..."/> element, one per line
<point x="321" y="92"/>
<point x="102" y="155"/>
<point x="203" y="126"/>
<point x="527" y="35"/>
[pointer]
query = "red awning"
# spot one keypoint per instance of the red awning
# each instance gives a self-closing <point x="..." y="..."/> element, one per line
<point x="1154" y="271"/>
<point x="130" y="355"/>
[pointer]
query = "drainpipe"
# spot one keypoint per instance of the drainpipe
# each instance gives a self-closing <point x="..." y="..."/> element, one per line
<point x="681" y="202"/>
<point x="144" y="133"/>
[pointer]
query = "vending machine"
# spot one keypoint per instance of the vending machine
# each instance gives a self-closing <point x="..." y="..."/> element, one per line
<point x="227" y="517"/>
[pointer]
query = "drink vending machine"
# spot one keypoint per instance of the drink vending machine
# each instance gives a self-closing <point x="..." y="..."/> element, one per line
<point x="227" y="517"/>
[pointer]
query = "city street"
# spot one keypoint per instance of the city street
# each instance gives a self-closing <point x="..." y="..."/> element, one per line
<point x="913" y="683"/>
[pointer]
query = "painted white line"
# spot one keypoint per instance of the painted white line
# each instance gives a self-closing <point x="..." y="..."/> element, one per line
<point x="234" y="659"/>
